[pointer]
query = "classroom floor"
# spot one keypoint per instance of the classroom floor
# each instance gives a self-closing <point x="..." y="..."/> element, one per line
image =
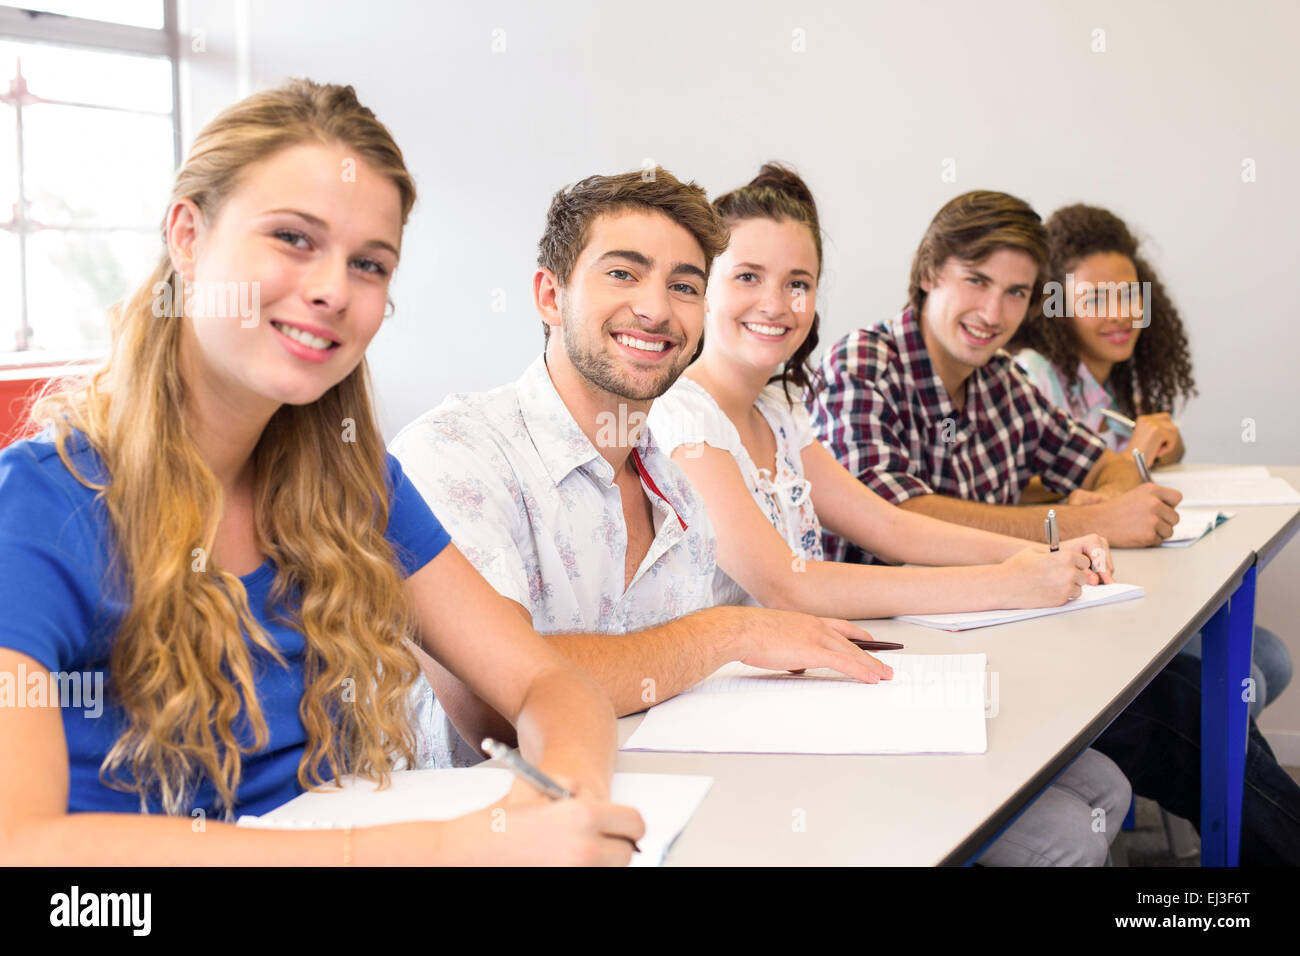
<point x="1146" y="845"/>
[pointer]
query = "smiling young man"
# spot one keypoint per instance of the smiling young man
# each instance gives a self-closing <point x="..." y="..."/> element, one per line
<point x="556" y="491"/>
<point x="931" y="414"/>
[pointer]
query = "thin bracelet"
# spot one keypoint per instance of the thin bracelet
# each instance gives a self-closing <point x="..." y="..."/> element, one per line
<point x="347" y="846"/>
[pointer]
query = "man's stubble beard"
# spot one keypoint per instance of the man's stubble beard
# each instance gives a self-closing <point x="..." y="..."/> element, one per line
<point x="600" y="370"/>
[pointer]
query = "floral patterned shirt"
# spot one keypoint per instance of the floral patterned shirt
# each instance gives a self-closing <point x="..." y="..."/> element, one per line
<point x="531" y="503"/>
<point x="688" y="414"/>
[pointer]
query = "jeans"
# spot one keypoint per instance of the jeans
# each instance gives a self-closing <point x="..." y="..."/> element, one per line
<point x="1071" y="823"/>
<point x="1156" y="741"/>
<point x="1270" y="666"/>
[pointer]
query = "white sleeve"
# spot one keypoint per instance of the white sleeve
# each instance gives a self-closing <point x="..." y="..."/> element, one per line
<point x="684" y="415"/>
<point x="793" y="413"/>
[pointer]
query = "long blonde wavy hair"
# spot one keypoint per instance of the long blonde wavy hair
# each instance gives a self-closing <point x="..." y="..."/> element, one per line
<point x="180" y="666"/>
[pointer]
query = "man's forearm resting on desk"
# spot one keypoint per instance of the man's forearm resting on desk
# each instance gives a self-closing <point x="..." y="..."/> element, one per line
<point x="643" y="668"/>
<point x="1138" y="518"/>
<point x="636" y="670"/>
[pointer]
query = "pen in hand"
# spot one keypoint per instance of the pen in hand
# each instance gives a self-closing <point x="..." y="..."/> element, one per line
<point x="1141" y="461"/>
<point x="1051" y="532"/>
<point x="522" y="768"/>
<point x="1119" y="419"/>
<point x="876" y="645"/>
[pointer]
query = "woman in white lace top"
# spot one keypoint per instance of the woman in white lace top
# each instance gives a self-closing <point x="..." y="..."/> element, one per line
<point x="744" y="440"/>
<point x="735" y="424"/>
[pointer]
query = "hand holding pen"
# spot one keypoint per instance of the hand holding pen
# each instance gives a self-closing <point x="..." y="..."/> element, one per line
<point x="1092" y="546"/>
<point x="522" y="769"/>
<point x="1141" y="461"/>
<point x="1154" y="435"/>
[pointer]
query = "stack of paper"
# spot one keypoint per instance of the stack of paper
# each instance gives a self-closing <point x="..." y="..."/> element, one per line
<point x="933" y="704"/>
<point x="1212" y="487"/>
<point x="1194" y="524"/>
<point x="666" y="802"/>
<point x="1092" y="596"/>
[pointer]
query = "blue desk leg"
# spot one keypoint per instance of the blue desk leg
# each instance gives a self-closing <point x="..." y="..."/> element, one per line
<point x="1225" y="665"/>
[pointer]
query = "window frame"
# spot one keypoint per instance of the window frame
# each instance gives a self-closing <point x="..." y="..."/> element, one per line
<point x="32" y="26"/>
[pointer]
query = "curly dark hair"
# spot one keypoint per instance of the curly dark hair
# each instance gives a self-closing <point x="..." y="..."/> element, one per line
<point x="778" y="193"/>
<point x="1160" y="369"/>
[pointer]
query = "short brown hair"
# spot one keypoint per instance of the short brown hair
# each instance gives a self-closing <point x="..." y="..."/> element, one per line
<point x="972" y="227"/>
<point x="574" y="208"/>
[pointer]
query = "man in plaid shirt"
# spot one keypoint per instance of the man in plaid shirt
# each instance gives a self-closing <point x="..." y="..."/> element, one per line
<point x="931" y="414"/>
<point x="928" y="412"/>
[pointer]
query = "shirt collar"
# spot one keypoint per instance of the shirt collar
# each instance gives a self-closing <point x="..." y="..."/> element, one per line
<point x="1092" y="393"/>
<point x="560" y="443"/>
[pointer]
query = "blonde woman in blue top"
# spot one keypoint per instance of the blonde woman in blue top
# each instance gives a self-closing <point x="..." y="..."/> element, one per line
<point x="208" y="531"/>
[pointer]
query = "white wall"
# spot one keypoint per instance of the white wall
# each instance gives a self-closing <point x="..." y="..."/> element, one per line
<point x="1156" y="128"/>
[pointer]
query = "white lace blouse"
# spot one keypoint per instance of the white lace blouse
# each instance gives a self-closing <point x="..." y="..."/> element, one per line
<point x="687" y="414"/>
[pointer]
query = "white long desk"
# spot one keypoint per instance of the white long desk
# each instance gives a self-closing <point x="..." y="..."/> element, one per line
<point x="1060" y="681"/>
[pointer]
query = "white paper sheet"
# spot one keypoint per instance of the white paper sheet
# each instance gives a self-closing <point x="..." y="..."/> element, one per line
<point x="1213" y="487"/>
<point x="1194" y="524"/>
<point x="1092" y="596"/>
<point x="933" y="704"/>
<point x="666" y="802"/>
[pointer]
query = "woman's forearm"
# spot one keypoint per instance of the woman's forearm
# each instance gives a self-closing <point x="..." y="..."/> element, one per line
<point x="911" y="538"/>
<point x="125" y="839"/>
<point x="566" y="727"/>
<point x="857" y="591"/>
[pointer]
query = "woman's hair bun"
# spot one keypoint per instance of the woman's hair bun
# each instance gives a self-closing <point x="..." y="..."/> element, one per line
<point x="783" y="179"/>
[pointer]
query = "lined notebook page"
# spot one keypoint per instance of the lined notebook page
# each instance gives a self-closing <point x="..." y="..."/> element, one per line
<point x="1212" y="487"/>
<point x="1092" y="596"/>
<point x="934" y="704"/>
<point x="666" y="802"/>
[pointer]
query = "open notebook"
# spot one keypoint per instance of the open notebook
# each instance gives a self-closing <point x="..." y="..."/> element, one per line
<point x="1092" y="596"/>
<point x="933" y="704"/>
<point x="1194" y="524"/>
<point x="1213" y="487"/>
<point x="666" y="802"/>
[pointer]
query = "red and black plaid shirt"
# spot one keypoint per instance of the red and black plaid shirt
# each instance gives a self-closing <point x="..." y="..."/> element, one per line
<point x="883" y="412"/>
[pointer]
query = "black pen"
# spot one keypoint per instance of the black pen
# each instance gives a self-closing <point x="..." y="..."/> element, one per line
<point x="876" y="645"/>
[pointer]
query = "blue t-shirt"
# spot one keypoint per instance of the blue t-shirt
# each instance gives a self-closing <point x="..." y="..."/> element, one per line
<point x="57" y="607"/>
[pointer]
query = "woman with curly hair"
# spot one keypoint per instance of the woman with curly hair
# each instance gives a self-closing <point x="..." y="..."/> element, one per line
<point x="209" y="530"/>
<point x="1099" y="343"/>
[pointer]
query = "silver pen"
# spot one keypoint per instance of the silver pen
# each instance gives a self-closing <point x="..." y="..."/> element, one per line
<point x="1119" y="419"/>
<point x="522" y="768"/>
<point x="1051" y="531"/>
<point x="1141" y="460"/>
